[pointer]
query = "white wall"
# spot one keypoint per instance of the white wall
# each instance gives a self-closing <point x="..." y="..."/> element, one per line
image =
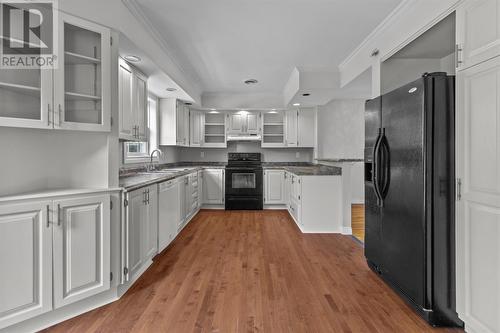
<point x="341" y="129"/>
<point x="269" y="155"/>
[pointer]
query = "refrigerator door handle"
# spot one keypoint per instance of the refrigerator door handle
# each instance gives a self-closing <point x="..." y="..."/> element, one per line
<point x="385" y="167"/>
<point x="376" y="167"/>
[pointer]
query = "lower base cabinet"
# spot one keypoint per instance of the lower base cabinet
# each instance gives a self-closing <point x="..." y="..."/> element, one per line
<point x="52" y="253"/>
<point x="141" y="229"/>
<point x="169" y="212"/>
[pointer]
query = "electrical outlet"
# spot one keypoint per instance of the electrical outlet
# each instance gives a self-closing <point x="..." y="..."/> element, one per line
<point x="202" y="154"/>
<point x="297" y="154"/>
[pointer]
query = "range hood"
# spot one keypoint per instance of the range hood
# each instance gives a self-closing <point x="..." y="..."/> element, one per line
<point x="244" y="137"/>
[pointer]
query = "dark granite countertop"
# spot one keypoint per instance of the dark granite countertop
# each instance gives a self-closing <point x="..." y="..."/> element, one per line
<point x="340" y="160"/>
<point x="305" y="169"/>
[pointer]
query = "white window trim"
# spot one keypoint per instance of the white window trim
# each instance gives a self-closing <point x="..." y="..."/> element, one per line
<point x="134" y="158"/>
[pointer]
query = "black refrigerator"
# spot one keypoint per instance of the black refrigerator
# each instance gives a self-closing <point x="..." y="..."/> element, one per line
<point x="410" y="194"/>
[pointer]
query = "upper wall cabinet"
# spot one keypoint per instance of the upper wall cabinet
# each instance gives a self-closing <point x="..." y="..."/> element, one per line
<point x="273" y="129"/>
<point x="478" y="32"/>
<point x="196" y="128"/>
<point x="243" y="122"/>
<point x="214" y="135"/>
<point x="306" y="128"/>
<point x="174" y="123"/>
<point x="74" y="96"/>
<point x="133" y="95"/>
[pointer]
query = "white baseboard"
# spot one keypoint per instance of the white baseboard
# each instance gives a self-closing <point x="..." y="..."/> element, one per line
<point x="214" y="207"/>
<point x="275" y="207"/>
<point x="346" y="231"/>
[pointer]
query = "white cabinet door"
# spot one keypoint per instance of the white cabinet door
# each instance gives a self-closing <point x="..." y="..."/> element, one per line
<point x="306" y="128"/>
<point x="183" y="189"/>
<point x="291" y="128"/>
<point x="478" y="31"/>
<point x="169" y="215"/>
<point x="140" y="102"/>
<point x="478" y="206"/>
<point x="26" y="261"/>
<point x="136" y="213"/>
<point x="82" y="85"/>
<point x="127" y="123"/>
<point x="236" y="123"/>
<point x="81" y="248"/>
<point x="150" y="224"/>
<point x="180" y="119"/>
<point x="252" y="125"/>
<point x="196" y="128"/>
<point x="213" y="186"/>
<point x="274" y="187"/>
<point x="288" y="188"/>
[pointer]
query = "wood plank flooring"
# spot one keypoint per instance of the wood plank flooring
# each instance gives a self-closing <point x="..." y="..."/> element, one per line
<point x="235" y="271"/>
<point x="358" y="221"/>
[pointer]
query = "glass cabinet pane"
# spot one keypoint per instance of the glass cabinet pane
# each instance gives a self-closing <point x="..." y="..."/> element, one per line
<point x="82" y="75"/>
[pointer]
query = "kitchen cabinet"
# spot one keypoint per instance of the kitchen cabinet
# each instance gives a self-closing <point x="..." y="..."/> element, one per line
<point x="244" y="122"/>
<point x="200" y="189"/>
<point x="26" y="261"/>
<point x="213" y="186"/>
<point x="478" y="195"/>
<point x="81" y="248"/>
<point x="273" y="129"/>
<point x="169" y="215"/>
<point x="174" y="123"/>
<point x="291" y="128"/>
<point x="196" y="127"/>
<point x="478" y="32"/>
<point x="141" y="229"/>
<point x="133" y="94"/>
<point x="214" y="130"/>
<point x="75" y="96"/>
<point x="53" y="252"/>
<point x="274" y="187"/>
<point x="306" y="124"/>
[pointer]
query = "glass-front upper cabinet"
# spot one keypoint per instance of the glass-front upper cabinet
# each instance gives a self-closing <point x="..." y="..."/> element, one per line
<point x="82" y="82"/>
<point x="25" y="96"/>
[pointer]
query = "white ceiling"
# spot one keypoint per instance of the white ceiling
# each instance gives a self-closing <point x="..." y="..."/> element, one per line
<point x="223" y="42"/>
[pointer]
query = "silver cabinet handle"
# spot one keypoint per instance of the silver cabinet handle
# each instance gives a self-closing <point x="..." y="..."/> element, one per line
<point x="48" y="114"/>
<point x="58" y="214"/>
<point x="60" y="114"/>
<point x="148" y="196"/>
<point x="48" y="216"/>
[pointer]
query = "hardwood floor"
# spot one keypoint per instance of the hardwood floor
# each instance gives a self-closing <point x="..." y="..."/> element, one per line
<point x="358" y="222"/>
<point x="234" y="271"/>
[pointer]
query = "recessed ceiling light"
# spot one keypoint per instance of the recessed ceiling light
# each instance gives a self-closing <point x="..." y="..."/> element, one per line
<point x="251" y="81"/>
<point x="306" y="94"/>
<point x="296" y="104"/>
<point x="171" y="89"/>
<point x="213" y="109"/>
<point x="132" y="58"/>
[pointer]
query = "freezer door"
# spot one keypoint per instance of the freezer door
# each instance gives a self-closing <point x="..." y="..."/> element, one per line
<point x="403" y="226"/>
<point x="373" y="245"/>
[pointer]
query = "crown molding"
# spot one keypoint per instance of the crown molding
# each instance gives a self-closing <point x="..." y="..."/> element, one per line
<point x="134" y="8"/>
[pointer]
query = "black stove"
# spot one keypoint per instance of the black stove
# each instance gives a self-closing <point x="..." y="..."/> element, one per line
<point x="244" y="181"/>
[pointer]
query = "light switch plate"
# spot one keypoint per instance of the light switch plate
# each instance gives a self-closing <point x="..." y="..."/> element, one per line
<point x="297" y="154"/>
<point x="202" y="154"/>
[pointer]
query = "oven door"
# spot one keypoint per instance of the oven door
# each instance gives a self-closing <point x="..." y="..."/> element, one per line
<point x="244" y="182"/>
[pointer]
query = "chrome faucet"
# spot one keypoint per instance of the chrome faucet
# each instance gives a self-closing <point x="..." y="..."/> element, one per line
<point x="151" y="166"/>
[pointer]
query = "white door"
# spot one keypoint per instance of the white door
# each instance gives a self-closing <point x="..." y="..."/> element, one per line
<point x="274" y="187"/>
<point x="82" y="83"/>
<point x="306" y="128"/>
<point x="169" y="213"/>
<point x="81" y="248"/>
<point x="236" y="123"/>
<point x="252" y="125"/>
<point x="196" y="128"/>
<point x="291" y="128"/>
<point x="150" y="224"/>
<point x="26" y="261"/>
<point x="213" y="186"/>
<point x="478" y="207"/>
<point x="478" y="31"/>
<point x="140" y="102"/>
<point x="127" y="125"/>
<point x="136" y="213"/>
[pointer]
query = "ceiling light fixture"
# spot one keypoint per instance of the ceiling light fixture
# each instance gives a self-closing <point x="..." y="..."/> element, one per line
<point x="251" y="81"/>
<point x="171" y="89"/>
<point x="132" y="58"/>
<point x="296" y="104"/>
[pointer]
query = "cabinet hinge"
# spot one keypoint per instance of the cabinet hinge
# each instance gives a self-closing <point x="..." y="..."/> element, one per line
<point x="111" y="121"/>
<point x="110" y="276"/>
<point x="125" y="202"/>
<point x="125" y="270"/>
<point x="110" y="204"/>
<point x="459" y="189"/>
<point x="110" y="40"/>
<point x="299" y="197"/>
